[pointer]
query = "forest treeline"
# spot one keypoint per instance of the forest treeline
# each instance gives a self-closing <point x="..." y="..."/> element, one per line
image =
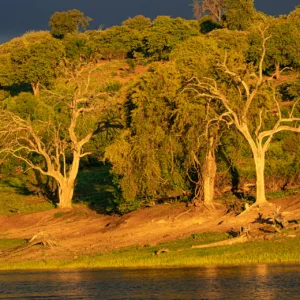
<point x="202" y="106"/>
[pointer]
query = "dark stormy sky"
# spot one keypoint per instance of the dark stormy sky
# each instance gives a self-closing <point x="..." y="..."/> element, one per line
<point x="19" y="16"/>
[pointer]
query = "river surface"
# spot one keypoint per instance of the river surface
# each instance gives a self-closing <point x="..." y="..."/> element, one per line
<point x="243" y="282"/>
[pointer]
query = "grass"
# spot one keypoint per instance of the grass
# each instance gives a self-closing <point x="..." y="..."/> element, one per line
<point x="275" y="251"/>
<point x="94" y="188"/>
<point x="281" y="194"/>
<point x="60" y="214"/>
<point x="282" y="249"/>
<point x="12" y="202"/>
<point x="11" y="243"/>
<point x="269" y="196"/>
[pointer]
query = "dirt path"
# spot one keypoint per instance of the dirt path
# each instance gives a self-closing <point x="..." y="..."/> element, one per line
<point x="83" y="231"/>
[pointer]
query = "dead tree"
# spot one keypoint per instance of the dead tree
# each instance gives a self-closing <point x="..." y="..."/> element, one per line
<point x="240" y="101"/>
<point x="214" y="8"/>
<point x="59" y="142"/>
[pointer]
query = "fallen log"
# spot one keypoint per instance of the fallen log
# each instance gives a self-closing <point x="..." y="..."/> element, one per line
<point x="237" y="240"/>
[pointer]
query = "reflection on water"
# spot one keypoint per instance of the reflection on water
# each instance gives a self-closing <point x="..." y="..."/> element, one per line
<point x="243" y="282"/>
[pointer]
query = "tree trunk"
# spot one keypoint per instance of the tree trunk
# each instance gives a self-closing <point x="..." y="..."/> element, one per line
<point x="259" y="159"/>
<point x="35" y="88"/>
<point x="65" y="194"/>
<point x="209" y="175"/>
<point x="66" y="188"/>
<point x="277" y="71"/>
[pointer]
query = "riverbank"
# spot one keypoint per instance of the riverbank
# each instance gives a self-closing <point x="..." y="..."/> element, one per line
<point x="283" y="248"/>
<point x="81" y="238"/>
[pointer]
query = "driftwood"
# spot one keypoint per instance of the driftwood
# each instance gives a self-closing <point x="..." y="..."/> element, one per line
<point x="237" y="240"/>
<point x="278" y="219"/>
<point x="42" y="238"/>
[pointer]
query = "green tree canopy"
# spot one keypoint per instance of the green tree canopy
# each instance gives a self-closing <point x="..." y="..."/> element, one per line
<point x="165" y="33"/>
<point x="80" y="47"/>
<point x="146" y="158"/>
<point x="65" y="22"/>
<point x="138" y="23"/>
<point x="295" y="15"/>
<point x="32" y="59"/>
<point x="239" y="14"/>
<point x="282" y="45"/>
<point x="196" y="56"/>
<point x="117" y="42"/>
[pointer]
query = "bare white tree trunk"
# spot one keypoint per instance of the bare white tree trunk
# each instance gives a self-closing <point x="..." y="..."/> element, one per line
<point x="209" y="174"/>
<point x="259" y="159"/>
<point x="277" y="71"/>
<point x="65" y="195"/>
<point x="35" y="88"/>
<point x="259" y="150"/>
<point x="67" y="186"/>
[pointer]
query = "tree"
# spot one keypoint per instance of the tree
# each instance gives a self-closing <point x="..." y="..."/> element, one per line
<point x="195" y="58"/>
<point x="239" y="14"/>
<point x="138" y="23"/>
<point x="250" y="102"/>
<point x="79" y="47"/>
<point x="53" y="140"/>
<point x="32" y="59"/>
<point x="118" y="42"/>
<point x="295" y="15"/>
<point x="199" y="144"/>
<point x="282" y="49"/>
<point x="68" y="22"/>
<point x="165" y="33"/>
<point x="215" y="8"/>
<point x="147" y="157"/>
<point x="231" y="40"/>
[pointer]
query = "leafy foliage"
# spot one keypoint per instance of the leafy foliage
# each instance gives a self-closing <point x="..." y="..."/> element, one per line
<point x="139" y="23"/>
<point x="169" y="116"/>
<point x="239" y="14"/>
<point x="118" y="42"/>
<point x="282" y="46"/>
<point x="165" y="33"/>
<point x="32" y="59"/>
<point x="155" y="172"/>
<point x="65" y="22"/>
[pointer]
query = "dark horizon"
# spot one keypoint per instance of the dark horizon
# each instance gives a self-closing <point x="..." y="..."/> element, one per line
<point x="35" y="14"/>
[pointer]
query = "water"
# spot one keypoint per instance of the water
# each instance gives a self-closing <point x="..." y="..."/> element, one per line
<point x="243" y="282"/>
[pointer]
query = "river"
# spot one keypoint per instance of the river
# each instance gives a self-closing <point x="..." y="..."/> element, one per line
<point x="237" y="282"/>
